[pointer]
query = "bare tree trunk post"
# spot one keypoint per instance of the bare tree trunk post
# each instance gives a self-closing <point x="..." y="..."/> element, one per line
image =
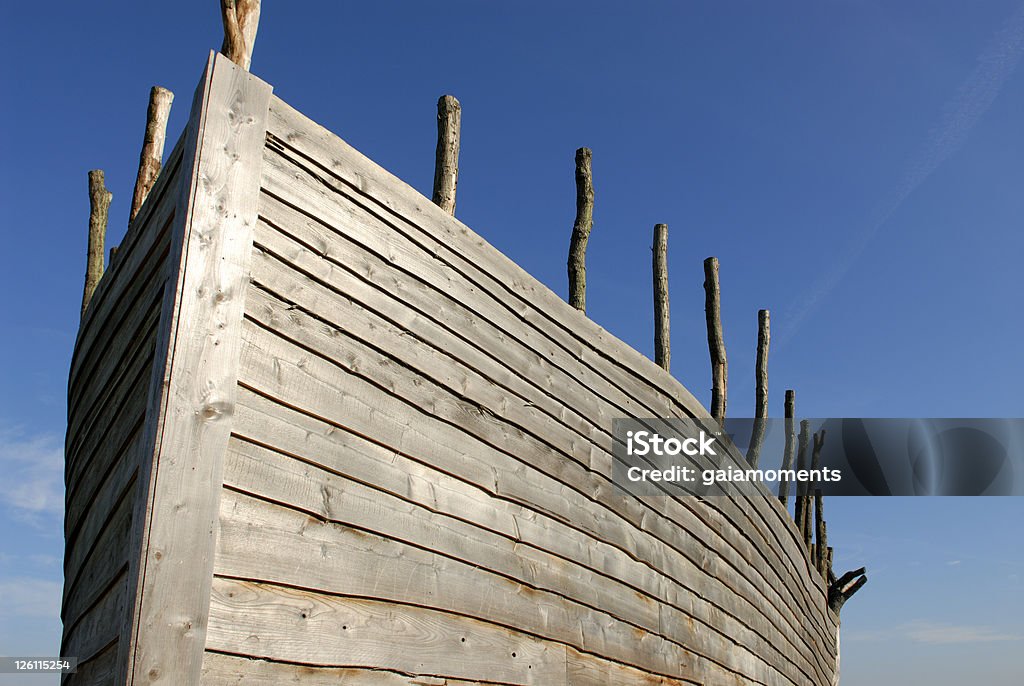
<point x="241" y="19"/>
<point x="716" y="340"/>
<point x="843" y="588"/>
<point x="807" y="526"/>
<point x="99" y="211"/>
<point x="152" y="146"/>
<point x="581" y="230"/>
<point x="820" y="533"/>
<point x="787" y="456"/>
<point x="446" y="159"/>
<point x="761" y="387"/>
<point x="801" y="464"/>
<point x="662" y="339"/>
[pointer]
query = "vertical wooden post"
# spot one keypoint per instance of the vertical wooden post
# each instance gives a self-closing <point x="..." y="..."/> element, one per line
<point x="761" y="387"/>
<point x="152" y="146"/>
<point x="787" y="456"/>
<point x="99" y="211"/>
<point x="716" y="340"/>
<point x="820" y="533"/>
<point x="801" y="463"/>
<point x="581" y="228"/>
<point x="819" y="442"/>
<point x="446" y="159"/>
<point x="662" y="339"/>
<point x="241" y="19"/>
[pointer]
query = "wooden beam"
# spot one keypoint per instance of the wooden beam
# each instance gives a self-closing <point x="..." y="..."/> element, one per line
<point x="241" y="20"/>
<point x="152" y="146"/>
<point x="662" y="339"/>
<point x="787" y="456"/>
<point x="99" y="211"/>
<point x="581" y="230"/>
<point x="761" y="387"/>
<point x="716" y="340"/>
<point x="806" y="522"/>
<point x="192" y="389"/>
<point x="801" y="463"/>
<point x="446" y="160"/>
<point x="821" y="535"/>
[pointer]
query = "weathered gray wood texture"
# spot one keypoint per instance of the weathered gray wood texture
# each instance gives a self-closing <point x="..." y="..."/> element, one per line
<point x="417" y="487"/>
<point x="365" y="447"/>
<point x="152" y="384"/>
<point x="110" y="370"/>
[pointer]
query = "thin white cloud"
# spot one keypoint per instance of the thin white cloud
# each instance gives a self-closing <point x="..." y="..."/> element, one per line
<point x="960" y="114"/>
<point x="936" y="633"/>
<point x="931" y="632"/>
<point x="26" y="597"/>
<point x="33" y="469"/>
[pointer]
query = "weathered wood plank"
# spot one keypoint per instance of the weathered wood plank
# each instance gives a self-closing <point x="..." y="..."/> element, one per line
<point x="340" y="554"/>
<point x="92" y="418"/>
<point x="355" y="223"/>
<point x="99" y="495"/>
<point x="267" y="365"/>
<point x="99" y="670"/>
<point x="540" y="304"/>
<point x="192" y="391"/>
<point x="294" y="625"/>
<point x="320" y="335"/>
<point x="607" y="578"/>
<point x="93" y="564"/>
<point x="97" y="628"/>
<point x="114" y="428"/>
<point x="221" y="669"/>
<point x="370" y="544"/>
<point x="140" y="299"/>
<point x="143" y="235"/>
<point x="318" y="189"/>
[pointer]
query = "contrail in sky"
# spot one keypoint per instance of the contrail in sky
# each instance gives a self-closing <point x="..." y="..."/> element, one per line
<point x="959" y="116"/>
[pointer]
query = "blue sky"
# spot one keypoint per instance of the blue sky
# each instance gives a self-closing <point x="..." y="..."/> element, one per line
<point x="856" y="166"/>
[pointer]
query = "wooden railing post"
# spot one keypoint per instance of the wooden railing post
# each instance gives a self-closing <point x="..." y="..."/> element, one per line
<point x="152" y="154"/>
<point x="662" y="339"/>
<point x="577" y="263"/>
<point x="446" y="158"/>
<point x="99" y="211"/>
<point x="787" y="456"/>
<point x="716" y="339"/>
<point x="761" y="387"/>
<point x="241" y="20"/>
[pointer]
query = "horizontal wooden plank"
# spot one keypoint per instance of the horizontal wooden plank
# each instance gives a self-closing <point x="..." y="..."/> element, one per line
<point x="554" y="556"/>
<point x="344" y="166"/>
<point x="99" y="670"/>
<point x="127" y="330"/>
<point x="367" y="410"/>
<point x="95" y="444"/>
<point x="221" y="669"/>
<point x="101" y="563"/>
<point x="334" y="255"/>
<point x="295" y="625"/>
<point x="142" y="234"/>
<point x="328" y="165"/>
<point x="368" y="544"/>
<point x="386" y="374"/>
<point x="99" y="626"/>
<point x="102" y="512"/>
<point x="104" y="465"/>
<point x="118" y="292"/>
